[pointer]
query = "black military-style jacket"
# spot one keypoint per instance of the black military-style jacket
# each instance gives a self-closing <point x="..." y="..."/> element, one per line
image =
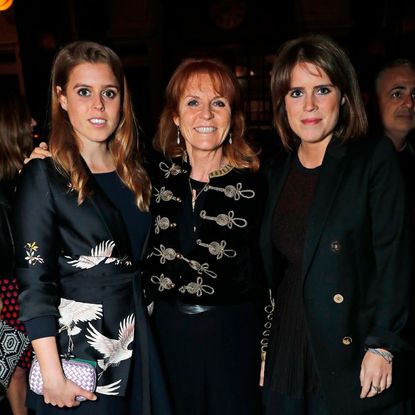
<point x="208" y="256"/>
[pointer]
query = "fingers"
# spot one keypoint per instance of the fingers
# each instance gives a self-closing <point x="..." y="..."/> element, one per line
<point x="375" y="375"/>
<point x="86" y="395"/>
<point x="40" y="152"/>
<point x="389" y="380"/>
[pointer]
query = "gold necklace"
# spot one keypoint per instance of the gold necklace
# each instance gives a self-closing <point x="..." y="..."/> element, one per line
<point x="196" y="194"/>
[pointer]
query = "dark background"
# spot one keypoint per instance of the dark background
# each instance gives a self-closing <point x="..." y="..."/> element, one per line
<point x="152" y="36"/>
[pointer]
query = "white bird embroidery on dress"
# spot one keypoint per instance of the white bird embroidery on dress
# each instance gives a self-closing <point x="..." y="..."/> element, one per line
<point x="114" y="350"/>
<point x="102" y="252"/>
<point x="73" y="312"/>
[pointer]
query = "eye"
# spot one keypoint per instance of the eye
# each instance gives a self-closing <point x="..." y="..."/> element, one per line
<point x="109" y="93"/>
<point x="413" y="94"/>
<point x="219" y="103"/>
<point x="84" y="92"/>
<point x="323" y="90"/>
<point x="192" y="103"/>
<point x="396" y="94"/>
<point x="296" y="93"/>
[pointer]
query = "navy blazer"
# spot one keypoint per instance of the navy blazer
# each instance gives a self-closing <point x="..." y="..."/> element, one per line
<point x="356" y="268"/>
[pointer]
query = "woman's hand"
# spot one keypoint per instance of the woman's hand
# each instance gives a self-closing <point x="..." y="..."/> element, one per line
<point x="375" y="375"/>
<point x="40" y="152"/>
<point x="63" y="392"/>
<point x="57" y="390"/>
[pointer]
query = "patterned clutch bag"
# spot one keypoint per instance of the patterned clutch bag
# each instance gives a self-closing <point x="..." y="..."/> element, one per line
<point x="13" y="344"/>
<point x="81" y="372"/>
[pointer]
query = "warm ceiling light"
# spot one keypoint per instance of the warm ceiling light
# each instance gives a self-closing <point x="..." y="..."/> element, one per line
<point x="5" y="4"/>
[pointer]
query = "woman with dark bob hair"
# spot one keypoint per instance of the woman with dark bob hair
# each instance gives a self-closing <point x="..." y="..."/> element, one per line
<point x="201" y="262"/>
<point x="335" y="244"/>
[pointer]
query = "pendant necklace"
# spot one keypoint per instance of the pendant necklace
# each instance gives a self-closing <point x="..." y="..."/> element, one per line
<point x="195" y="192"/>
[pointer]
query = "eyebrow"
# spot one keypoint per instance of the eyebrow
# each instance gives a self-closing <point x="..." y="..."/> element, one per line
<point x="314" y="87"/>
<point x="90" y="86"/>
<point x="198" y="96"/>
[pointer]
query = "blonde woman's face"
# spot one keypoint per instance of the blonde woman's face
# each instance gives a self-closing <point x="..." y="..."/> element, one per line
<point x="92" y="101"/>
<point x="312" y="104"/>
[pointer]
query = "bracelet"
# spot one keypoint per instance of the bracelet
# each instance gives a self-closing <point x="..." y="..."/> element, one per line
<point x="388" y="356"/>
<point x="263" y="356"/>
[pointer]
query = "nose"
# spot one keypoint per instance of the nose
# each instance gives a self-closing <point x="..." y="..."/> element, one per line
<point x="206" y="112"/>
<point x="409" y="101"/>
<point x="99" y="103"/>
<point x="310" y="103"/>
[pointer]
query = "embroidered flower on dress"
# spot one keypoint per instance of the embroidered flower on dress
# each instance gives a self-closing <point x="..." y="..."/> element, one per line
<point x="31" y="248"/>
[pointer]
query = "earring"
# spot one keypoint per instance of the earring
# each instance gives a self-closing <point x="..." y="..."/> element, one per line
<point x="230" y="138"/>
<point x="178" y="136"/>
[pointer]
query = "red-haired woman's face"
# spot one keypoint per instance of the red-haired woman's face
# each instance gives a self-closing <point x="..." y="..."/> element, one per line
<point x="204" y="116"/>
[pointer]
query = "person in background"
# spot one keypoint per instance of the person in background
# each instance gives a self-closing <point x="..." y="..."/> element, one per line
<point x="395" y="93"/>
<point x="80" y="224"/>
<point x="16" y="125"/>
<point x="201" y="265"/>
<point x="336" y="246"/>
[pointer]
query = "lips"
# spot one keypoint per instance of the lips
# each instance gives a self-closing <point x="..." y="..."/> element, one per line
<point x="97" y="121"/>
<point x="311" y="121"/>
<point x="205" y="130"/>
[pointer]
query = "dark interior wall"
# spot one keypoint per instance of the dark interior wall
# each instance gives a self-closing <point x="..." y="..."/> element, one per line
<point x="233" y="30"/>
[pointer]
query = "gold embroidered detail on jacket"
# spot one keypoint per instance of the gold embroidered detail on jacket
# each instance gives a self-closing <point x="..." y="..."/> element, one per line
<point x="234" y="192"/>
<point x="173" y="170"/>
<point x="162" y="223"/>
<point x="225" y="219"/>
<point x="31" y="257"/>
<point x="269" y="310"/>
<point x="100" y="254"/>
<point x="218" y="249"/>
<point x="165" y="195"/>
<point x="164" y="283"/>
<point x="197" y="288"/>
<point x="170" y="254"/>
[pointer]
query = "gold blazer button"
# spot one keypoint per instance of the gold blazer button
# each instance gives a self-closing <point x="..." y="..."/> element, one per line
<point x="347" y="340"/>
<point x="338" y="298"/>
<point x="335" y="246"/>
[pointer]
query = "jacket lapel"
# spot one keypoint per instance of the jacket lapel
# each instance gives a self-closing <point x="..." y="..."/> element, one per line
<point x="276" y="176"/>
<point x="330" y="178"/>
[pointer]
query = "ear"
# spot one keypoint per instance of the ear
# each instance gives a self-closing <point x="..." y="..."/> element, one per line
<point x="176" y="120"/>
<point x="343" y="100"/>
<point x="62" y="98"/>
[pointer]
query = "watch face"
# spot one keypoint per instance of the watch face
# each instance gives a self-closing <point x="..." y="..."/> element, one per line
<point x="228" y="14"/>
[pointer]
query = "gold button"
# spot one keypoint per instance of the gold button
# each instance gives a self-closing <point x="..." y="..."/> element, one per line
<point x="347" y="340"/>
<point x="335" y="246"/>
<point x="338" y="298"/>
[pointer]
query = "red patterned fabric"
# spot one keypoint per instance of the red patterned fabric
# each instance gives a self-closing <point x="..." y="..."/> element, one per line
<point x="10" y="312"/>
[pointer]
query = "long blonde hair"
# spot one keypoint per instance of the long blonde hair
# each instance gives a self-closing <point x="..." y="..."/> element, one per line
<point x="123" y="144"/>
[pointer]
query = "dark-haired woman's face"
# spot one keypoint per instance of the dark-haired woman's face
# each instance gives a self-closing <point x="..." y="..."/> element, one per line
<point x="312" y="104"/>
<point x="92" y="100"/>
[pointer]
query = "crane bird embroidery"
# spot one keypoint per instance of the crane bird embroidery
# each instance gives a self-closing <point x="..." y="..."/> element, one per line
<point x="72" y="312"/>
<point x="114" y="350"/>
<point x="101" y="253"/>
